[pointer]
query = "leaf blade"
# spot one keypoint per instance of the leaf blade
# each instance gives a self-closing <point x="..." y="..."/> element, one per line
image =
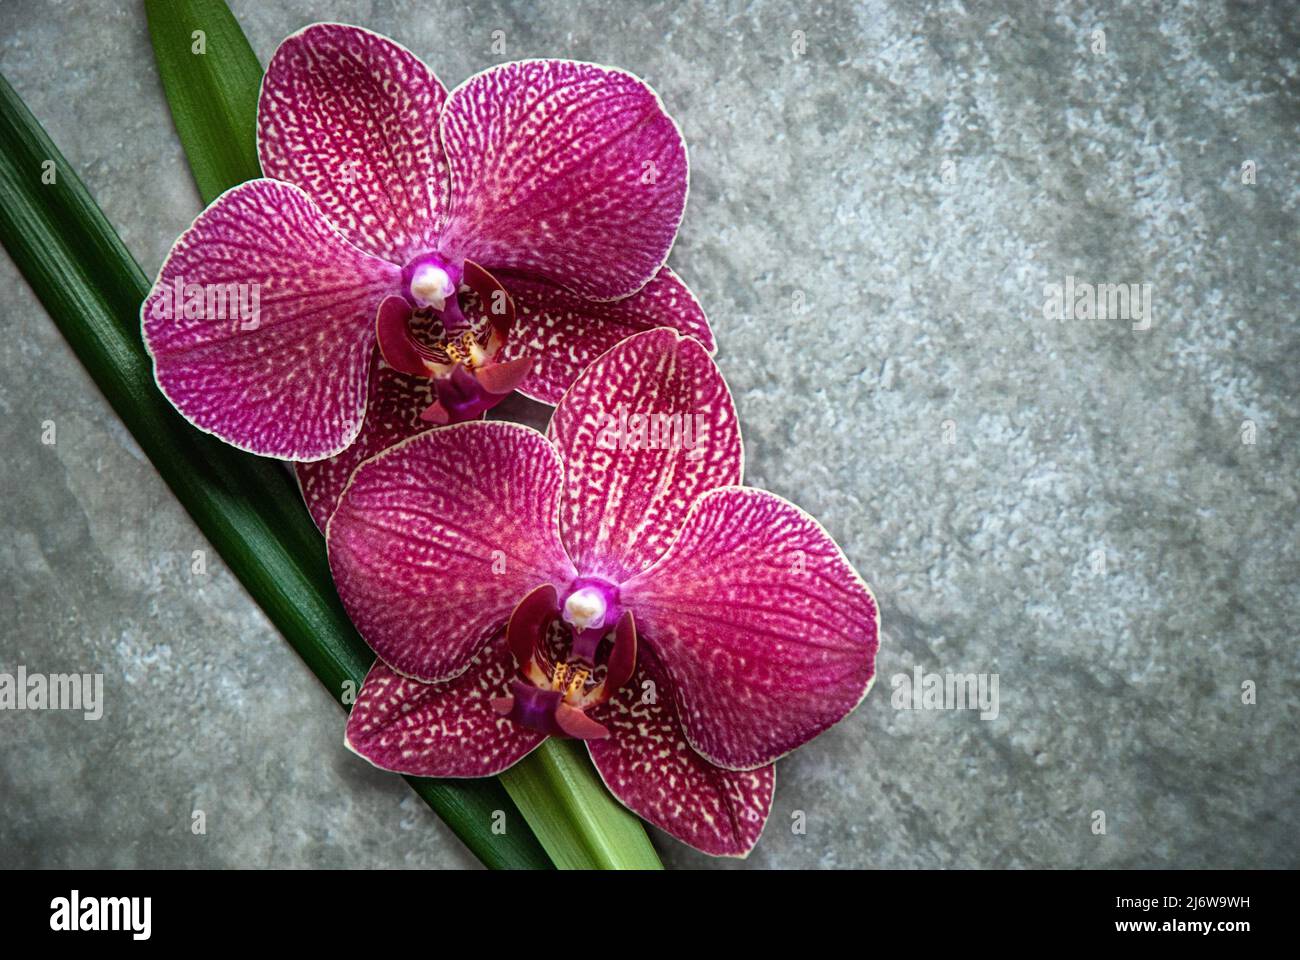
<point x="212" y="94"/>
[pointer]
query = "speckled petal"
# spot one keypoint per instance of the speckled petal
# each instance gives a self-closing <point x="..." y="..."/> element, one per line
<point x="287" y="379"/>
<point x="647" y="763"/>
<point x="435" y="540"/>
<point x="352" y="118"/>
<point x="565" y="332"/>
<point x="643" y="432"/>
<point x="767" y="631"/>
<point x="392" y="414"/>
<point x="568" y="171"/>
<point x="439" y="729"/>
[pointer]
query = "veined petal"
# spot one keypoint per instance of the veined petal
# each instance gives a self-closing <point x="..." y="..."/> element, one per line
<point x="502" y="378"/>
<point x="645" y="430"/>
<point x="565" y="332"/>
<point x="435" y="540"/>
<point x="647" y="763"/>
<point x="563" y="170"/>
<point x="262" y="322"/>
<point x="393" y="407"/>
<point x="352" y="118"/>
<point x="767" y="631"/>
<point x="439" y="729"/>
<point x="393" y="335"/>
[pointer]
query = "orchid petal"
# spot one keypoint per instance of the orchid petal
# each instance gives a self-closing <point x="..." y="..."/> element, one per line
<point x="289" y="379"/>
<point x="563" y="170"/>
<point x="767" y="631"/>
<point x="648" y="765"/>
<point x="393" y="406"/>
<point x="526" y="630"/>
<point x="436" y="539"/>
<point x="622" y="654"/>
<point x="400" y="350"/>
<point x="627" y="491"/>
<point x="502" y="378"/>
<point x="439" y="729"/>
<point x="494" y="302"/>
<point x="566" y="332"/>
<point x="576" y="724"/>
<point x="351" y="117"/>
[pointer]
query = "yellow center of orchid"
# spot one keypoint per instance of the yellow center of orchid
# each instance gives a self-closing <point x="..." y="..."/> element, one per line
<point x="465" y="349"/>
<point x="571" y="681"/>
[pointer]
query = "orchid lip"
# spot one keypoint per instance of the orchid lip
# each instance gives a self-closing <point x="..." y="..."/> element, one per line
<point x="531" y="706"/>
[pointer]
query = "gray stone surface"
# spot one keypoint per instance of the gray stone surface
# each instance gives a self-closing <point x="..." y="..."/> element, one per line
<point x="916" y="176"/>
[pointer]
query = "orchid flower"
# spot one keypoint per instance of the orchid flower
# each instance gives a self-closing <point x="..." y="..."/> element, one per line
<point x="494" y="238"/>
<point x="610" y="581"/>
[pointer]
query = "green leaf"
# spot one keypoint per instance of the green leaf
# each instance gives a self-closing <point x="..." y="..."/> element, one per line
<point x="212" y="78"/>
<point x="213" y="100"/>
<point x="248" y="508"/>
<point x="569" y="808"/>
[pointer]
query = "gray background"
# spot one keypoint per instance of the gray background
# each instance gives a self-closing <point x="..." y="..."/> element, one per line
<point x="821" y="173"/>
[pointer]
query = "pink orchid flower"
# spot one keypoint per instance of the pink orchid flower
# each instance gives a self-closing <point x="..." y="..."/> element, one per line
<point x="494" y="238"/>
<point x="610" y="581"/>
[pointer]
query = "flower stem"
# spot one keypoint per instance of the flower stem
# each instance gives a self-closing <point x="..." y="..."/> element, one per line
<point x="579" y="824"/>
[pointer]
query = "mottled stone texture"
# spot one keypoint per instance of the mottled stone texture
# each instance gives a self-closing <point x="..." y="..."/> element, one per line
<point x="871" y="226"/>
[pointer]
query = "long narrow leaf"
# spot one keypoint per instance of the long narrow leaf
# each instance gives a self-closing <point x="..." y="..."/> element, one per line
<point x="213" y="98"/>
<point x="211" y="77"/>
<point x="248" y="508"/>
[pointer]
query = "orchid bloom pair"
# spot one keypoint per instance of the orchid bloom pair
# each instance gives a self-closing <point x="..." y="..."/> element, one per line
<point x="606" y="582"/>
<point x="417" y="255"/>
